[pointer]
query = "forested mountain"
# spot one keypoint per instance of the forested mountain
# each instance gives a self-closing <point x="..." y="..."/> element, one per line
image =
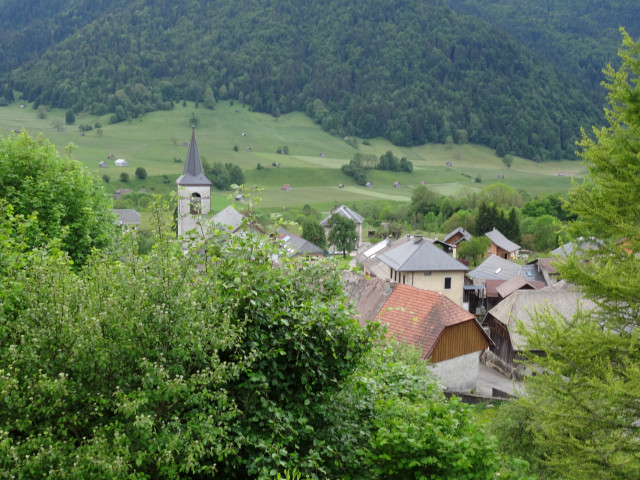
<point x="578" y="37"/>
<point x="414" y="71"/>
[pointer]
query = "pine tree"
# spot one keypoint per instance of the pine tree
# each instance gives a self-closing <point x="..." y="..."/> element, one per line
<point x="580" y="418"/>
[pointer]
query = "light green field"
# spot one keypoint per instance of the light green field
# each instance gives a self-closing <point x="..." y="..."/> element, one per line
<point x="312" y="166"/>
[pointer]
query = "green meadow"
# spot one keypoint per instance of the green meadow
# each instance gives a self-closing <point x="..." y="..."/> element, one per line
<point x="312" y="167"/>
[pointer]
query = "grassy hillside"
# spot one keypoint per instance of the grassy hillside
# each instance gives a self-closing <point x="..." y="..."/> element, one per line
<point x="155" y="140"/>
<point x="411" y="71"/>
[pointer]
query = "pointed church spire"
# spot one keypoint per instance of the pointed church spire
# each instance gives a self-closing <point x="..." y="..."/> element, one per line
<point x="193" y="172"/>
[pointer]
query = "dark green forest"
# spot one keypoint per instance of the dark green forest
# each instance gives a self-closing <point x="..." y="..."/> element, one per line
<point x="413" y="71"/>
<point x="579" y="38"/>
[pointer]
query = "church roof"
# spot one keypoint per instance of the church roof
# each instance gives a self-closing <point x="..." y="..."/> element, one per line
<point x="193" y="172"/>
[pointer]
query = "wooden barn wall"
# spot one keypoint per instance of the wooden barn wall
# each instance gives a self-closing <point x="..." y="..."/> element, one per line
<point x="459" y="340"/>
<point x="499" y="334"/>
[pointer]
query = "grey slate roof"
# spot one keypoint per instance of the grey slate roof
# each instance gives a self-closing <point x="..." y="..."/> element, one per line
<point x="368" y="256"/>
<point x="561" y="298"/>
<point x="228" y="218"/>
<point x="193" y="173"/>
<point x="297" y="245"/>
<point x="345" y="212"/>
<point x="420" y="255"/>
<point x="579" y="244"/>
<point x="127" y="216"/>
<point x="501" y="241"/>
<point x="495" y="268"/>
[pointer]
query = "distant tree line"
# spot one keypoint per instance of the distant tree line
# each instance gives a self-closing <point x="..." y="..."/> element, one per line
<point x="360" y="163"/>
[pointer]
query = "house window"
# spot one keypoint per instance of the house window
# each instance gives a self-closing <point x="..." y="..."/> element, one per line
<point x="427" y="274"/>
<point x="196" y="201"/>
<point x="404" y="279"/>
<point x="447" y="283"/>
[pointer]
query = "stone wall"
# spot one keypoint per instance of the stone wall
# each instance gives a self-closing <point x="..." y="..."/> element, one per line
<point x="459" y="374"/>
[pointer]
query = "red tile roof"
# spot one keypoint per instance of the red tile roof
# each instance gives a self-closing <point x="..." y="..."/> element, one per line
<point x="419" y="317"/>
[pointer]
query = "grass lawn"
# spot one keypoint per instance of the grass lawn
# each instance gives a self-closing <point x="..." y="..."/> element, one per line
<point x="156" y="142"/>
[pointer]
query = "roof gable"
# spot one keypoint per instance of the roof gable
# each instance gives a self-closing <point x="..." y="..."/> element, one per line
<point x="418" y="317"/>
<point x="229" y="217"/>
<point x="127" y="216"/>
<point x="507" y="287"/>
<point x="522" y="305"/>
<point x="501" y="241"/>
<point x="461" y="232"/>
<point x="345" y="212"/>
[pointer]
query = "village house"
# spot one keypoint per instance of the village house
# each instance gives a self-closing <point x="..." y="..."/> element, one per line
<point x="456" y="237"/>
<point x="421" y="264"/>
<point x="229" y="220"/>
<point x="501" y="245"/>
<point x="562" y="299"/>
<point x="367" y="256"/>
<point x="448" y="336"/>
<point x="120" y="192"/>
<point x="347" y="213"/>
<point x="481" y="293"/>
<point x="127" y="217"/>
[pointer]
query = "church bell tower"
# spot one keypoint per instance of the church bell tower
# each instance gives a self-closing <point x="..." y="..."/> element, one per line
<point x="194" y="190"/>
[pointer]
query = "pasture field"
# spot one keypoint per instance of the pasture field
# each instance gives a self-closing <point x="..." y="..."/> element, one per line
<point x="156" y="142"/>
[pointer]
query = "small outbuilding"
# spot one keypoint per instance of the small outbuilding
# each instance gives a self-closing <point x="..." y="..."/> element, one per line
<point x="121" y="162"/>
<point x="102" y="164"/>
<point x="286" y="187"/>
<point x="448" y="336"/>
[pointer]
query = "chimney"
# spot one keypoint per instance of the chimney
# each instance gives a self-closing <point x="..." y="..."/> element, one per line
<point x="417" y="238"/>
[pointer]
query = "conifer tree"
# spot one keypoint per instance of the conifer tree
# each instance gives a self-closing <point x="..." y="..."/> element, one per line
<point x="579" y="419"/>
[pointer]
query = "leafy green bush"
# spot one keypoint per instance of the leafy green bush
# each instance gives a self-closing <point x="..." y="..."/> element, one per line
<point x="70" y="202"/>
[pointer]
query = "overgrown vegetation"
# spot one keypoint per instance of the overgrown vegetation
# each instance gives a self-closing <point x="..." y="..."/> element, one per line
<point x="171" y="364"/>
<point x="68" y="202"/>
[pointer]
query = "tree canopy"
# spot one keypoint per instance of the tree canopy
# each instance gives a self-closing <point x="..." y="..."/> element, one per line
<point x="579" y="419"/>
<point x="70" y="203"/>
<point x="313" y="231"/>
<point x="342" y="233"/>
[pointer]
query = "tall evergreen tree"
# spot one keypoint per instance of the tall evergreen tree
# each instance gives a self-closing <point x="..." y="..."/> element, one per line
<point x="579" y="420"/>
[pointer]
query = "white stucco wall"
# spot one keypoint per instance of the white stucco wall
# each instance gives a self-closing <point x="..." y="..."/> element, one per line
<point x="187" y="221"/>
<point x="434" y="282"/>
<point x="459" y="374"/>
